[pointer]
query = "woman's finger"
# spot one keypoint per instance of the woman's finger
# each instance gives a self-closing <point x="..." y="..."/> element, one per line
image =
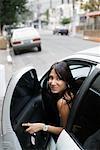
<point x="26" y="124"/>
<point x="30" y="130"/>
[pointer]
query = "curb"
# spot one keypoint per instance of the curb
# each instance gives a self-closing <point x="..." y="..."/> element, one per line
<point x="9" y="58"/>
<point x="95" y="39"/>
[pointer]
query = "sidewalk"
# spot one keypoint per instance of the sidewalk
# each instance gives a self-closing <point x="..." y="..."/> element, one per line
<point x="5" y="58"/>
<point x="87" y="37"/>
<point x="95" y="39"/>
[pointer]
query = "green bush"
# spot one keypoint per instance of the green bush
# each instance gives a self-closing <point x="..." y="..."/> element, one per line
<point x="65" y="21"/>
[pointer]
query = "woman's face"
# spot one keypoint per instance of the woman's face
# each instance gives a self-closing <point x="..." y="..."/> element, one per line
<point x="55" y="83"/>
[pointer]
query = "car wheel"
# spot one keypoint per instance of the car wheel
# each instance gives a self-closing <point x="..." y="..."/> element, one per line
<point x="67" y="32"/>
<point x="39" y="48"/>
<point x="16" y="52"/>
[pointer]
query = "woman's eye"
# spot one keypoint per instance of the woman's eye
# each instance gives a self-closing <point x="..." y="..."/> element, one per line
<point x="50" y="77"/>
<point x="57" y="79"/>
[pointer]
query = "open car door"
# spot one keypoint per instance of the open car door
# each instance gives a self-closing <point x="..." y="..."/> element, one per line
<point x="22" y="103"/>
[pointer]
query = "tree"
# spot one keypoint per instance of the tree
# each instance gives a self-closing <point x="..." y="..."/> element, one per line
<point x="9" y="11"/>
<point x="65" y="21"/>
<point x="92" y="5"/>
<point x="47" y="14"/>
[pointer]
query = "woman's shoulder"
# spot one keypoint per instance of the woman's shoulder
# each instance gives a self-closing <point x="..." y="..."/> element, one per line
<point x="61" y="103"/>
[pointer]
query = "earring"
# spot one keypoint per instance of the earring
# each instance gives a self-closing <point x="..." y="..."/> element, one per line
<point x="68" y="86"/>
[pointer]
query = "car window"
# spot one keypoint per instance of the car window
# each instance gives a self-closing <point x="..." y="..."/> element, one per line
<point x="87" y="119"/>
<point x="27" y="32"/>
<point x="79" y="70"/>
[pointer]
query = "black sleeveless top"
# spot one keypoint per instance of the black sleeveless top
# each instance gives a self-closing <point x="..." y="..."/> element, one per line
<point x="50" y="105"/>
<point x="51" y="111"/>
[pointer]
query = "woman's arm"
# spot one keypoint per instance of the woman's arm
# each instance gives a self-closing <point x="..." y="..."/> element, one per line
<point x="35" y="127"/>
<point x="64" y="110"/>
<point x="63" y="114"/>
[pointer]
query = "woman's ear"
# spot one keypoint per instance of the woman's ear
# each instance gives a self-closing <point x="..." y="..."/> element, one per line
<point x="67" y="86"/>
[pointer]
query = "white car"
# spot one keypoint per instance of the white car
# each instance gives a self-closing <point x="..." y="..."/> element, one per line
<point x="25" y="39"/>
<point x="23" y="103"/>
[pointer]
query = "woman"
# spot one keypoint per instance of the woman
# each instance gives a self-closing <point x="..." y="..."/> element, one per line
<point x="57" y="100"/>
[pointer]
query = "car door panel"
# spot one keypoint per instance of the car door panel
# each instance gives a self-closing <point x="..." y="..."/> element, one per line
<point x="65" y="142"/>
<point x="22" y="103"/>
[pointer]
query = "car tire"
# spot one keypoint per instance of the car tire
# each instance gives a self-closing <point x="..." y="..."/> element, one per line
<point x="16" y="52"/>
<point x="39" y="48"/>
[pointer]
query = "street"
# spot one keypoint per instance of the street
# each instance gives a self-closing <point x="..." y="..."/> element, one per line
<point x="54" y="48"/>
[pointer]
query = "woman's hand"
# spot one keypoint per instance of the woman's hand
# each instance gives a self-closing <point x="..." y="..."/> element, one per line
<point x="33" y="127"/>
<point x="68" y="97"/>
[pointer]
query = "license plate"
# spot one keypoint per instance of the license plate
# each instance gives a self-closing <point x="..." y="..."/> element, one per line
<point x="27" y="42"/>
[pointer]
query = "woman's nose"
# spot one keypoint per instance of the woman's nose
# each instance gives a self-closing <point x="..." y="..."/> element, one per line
<point x="53" y="82"/>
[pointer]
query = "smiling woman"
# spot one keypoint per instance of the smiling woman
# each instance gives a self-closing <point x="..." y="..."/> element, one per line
<point x="57" y="103"/>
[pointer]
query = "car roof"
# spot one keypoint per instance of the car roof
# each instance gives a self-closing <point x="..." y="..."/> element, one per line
<point x="95" y="51"/>
<point x="91" y="54"/>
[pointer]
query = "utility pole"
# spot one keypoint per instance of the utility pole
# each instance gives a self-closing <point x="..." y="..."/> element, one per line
<point x="62" y="1"/>
<point x="38" y="13"/>
<point x="50" y="4"/>
<point x="73" y="19"/>
<point x="68" y="1"/>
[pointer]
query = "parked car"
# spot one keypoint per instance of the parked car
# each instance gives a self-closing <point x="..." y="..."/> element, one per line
<point x="25" y="39"/>
<point x="9" y="30"/>
<point x="23" y="103"/>
<point x="62" y="30"/>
